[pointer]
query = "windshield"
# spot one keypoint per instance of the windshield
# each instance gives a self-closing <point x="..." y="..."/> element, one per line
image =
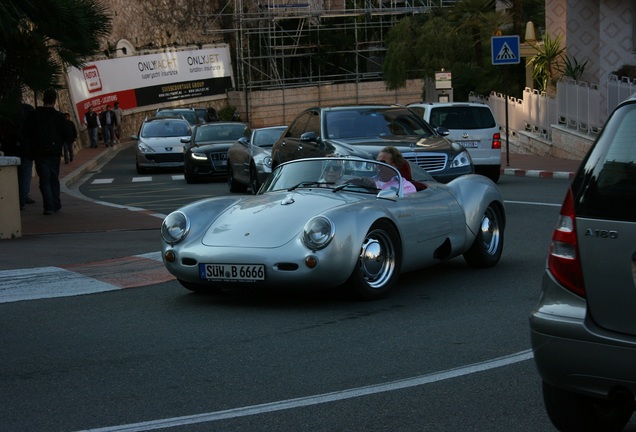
<point x="165" y="129"/>
<point x="336" y="174"/>
<point x="219" y="132"/>
<point x="365" y="123"/>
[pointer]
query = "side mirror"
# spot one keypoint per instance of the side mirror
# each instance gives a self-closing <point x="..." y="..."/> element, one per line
<point x="442" y="130"/>
<point x="186" y="140"/>
<point x="244" y="141"/>
<point x="309" y="137"/>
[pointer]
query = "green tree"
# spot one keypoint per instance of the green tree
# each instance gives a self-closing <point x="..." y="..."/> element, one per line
<point x="39" y="37"/>
<point x="547" y="63"/>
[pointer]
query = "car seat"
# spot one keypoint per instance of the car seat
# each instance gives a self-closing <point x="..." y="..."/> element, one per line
<point x="405" y="171"/>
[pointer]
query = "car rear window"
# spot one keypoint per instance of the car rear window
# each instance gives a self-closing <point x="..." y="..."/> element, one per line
<point x="606" y="185"/>
<point x="462" y="117"/>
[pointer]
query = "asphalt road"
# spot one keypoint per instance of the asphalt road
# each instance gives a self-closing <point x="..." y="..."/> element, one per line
<point x="447" y="351"/>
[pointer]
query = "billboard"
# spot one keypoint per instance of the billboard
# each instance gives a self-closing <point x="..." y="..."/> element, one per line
<point x="137" y="81"/>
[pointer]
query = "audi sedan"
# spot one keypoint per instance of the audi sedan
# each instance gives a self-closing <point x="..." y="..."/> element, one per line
<point x="364" y="130"/>
<point x="206" y="149"/>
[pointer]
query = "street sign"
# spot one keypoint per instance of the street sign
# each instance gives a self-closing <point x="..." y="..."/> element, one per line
<point x="505" y="50"/>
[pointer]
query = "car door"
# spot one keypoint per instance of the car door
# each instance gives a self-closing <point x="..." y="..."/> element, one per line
<point x="286" y="148"/>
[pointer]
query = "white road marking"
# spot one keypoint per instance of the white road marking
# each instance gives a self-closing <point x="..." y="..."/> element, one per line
<point x="46" y="282"/>
<point x="532" y="203"/>
<point x="141" y="179"/>
<point x="103" y="181"/>
<point x="321" y="398"/>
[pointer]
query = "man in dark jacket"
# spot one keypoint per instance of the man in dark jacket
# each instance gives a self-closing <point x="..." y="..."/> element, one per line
<point x="71" y="136"/>
<point x="45" y="131"/>
<point x="108" y="121"/>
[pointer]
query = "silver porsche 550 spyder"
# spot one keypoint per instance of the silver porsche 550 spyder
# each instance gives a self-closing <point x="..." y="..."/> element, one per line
<point x="328" y="222"/>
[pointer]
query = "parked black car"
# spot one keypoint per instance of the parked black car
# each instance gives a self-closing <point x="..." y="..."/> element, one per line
<point x="364" y="130"/>
<point x="205" y="153"/>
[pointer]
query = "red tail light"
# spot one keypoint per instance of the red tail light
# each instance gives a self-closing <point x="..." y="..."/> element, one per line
<point x="564" y="260"/>
<point x="496" y="141"/>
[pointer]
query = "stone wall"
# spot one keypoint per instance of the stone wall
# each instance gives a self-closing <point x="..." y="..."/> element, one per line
<point x="565" y="143"/>
<point x="281" y="106"/>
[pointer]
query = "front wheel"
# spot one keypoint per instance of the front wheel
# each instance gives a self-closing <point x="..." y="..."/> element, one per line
<point x="570" y="411"/>
<point x="378" y="266"/>
<point x="235" y="187"/>
<point x="255" y="185"/>
<point x="488" y="245"/>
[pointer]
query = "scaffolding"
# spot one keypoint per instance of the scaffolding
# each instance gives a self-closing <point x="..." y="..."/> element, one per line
<point x="283" y="43"/>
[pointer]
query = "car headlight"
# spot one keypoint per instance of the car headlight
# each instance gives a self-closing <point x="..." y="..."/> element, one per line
<point x="199" y="156"/>
<point x="175" y="227"/>
<point x="318" y="232"/>
<point x="144" y="148"/>
<point x="267" y="161"/>
<point x="461" y="160"/>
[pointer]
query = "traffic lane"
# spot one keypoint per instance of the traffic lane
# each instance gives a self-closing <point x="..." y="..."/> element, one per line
<point x="156" y="352"/>
<point x="532" y="189"/>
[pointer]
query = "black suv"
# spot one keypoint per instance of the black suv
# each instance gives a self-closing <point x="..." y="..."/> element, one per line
<point x="584" y="326"/>
<point x="363" y="131"/>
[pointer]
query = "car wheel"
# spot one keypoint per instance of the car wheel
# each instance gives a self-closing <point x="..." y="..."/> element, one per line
<point x="254" y="183"/>
<point x="234" y="186"/>
<point x="570" y="411"/>
<point x="488" y="245"/>
<point x="200" y="288"/>
<point x="378" y="266"/>
<point x="190" y="178"/>
<point x="140" y="170"/>
<point x="492" y="172"/>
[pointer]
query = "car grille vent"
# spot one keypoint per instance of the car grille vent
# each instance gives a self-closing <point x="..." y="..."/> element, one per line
<point x="165" y="158"/>
<point x="431" y="162"/>
<point x="218" y="156"/>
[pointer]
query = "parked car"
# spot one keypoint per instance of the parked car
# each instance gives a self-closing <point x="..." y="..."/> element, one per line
<point x="159" y="143"/>
<point x="584" y="327"/>
<point x="250" y="159"/>
<point x="206" y="149"/>
<point x="187" y="113"/>
<point x="206" y="114"/>
<point x="472" y="125"/>
<point x="302" y="230"/>
<point x="363" y="131"/>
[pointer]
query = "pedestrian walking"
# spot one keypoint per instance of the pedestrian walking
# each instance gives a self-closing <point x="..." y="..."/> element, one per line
<point x="108" y="121"/>
<point x="91" y="120"/>
<point x="45" y="131"/>
<point x="119" y="115"/>
<point x="71" y="137"/>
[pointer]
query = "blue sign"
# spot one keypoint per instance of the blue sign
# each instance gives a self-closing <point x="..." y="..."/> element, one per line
<point x="505" y="50"/>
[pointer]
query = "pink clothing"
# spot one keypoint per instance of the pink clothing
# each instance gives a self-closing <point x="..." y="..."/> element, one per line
<point x="407" y="186"/>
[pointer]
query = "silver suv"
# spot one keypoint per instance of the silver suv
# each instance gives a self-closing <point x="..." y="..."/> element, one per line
<point x="470" y="124"/>
<point x="584" y="326"/>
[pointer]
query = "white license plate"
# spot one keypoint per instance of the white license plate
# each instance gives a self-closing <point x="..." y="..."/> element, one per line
<point x="232" y="272"/>
<point x="469" y="144"/>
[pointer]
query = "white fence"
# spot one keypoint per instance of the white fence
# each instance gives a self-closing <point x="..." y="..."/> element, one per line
<point x="577" y="105"/>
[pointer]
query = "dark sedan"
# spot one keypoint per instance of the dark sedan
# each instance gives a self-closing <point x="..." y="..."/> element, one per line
<point x="249" y="159"/>
<point x="206" y="150"/>
<point x="364" y="130"/>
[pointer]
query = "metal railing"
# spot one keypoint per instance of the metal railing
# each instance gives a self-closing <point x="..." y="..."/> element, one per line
<point x="577" y="106"/>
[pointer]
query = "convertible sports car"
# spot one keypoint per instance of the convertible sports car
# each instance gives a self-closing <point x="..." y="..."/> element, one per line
<point x="323" y="222"/>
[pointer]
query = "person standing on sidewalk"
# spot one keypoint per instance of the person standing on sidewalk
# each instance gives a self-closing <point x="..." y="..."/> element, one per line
<point x="119" y="115"/>
<point x="69" y="141"/>
<point x="108" y="121"/>
<point x="45" y="131"/>
<point x="91" y="120"/>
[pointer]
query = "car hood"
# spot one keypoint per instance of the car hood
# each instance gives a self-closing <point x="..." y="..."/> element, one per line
<point x="372" y="145"/>
<point x="208" y="147"/>
<point x="273" y="219"/>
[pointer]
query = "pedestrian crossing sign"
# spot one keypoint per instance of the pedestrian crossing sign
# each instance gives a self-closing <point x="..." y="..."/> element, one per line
<point x="505" y="50"/>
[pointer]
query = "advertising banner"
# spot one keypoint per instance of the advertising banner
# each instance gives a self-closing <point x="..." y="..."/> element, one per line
<point x="150" y="79"/>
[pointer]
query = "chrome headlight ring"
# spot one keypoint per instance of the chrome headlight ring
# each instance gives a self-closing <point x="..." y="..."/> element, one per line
<point x="461" y="160"/>
<point x="175" y="227"/>
<point x="318" y="232"/>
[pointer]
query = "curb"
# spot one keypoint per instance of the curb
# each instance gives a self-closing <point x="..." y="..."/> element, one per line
<point x="538" y="173"/>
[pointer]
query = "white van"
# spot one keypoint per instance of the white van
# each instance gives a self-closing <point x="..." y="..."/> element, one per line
<point x="470" y="124"/>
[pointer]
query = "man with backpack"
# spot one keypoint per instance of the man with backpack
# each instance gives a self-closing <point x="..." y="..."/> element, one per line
<point x="45" y="131"/>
